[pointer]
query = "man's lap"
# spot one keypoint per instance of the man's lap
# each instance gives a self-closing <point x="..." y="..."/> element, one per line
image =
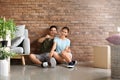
<point x="42" y="57"/>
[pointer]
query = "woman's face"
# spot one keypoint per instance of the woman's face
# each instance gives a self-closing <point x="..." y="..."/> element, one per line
<point x="64" y="32"/>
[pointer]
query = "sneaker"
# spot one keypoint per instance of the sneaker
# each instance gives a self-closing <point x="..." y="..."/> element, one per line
<point x="72" y="64"/>
<point x="53" y="62"/>
<point x="44" y="64"/>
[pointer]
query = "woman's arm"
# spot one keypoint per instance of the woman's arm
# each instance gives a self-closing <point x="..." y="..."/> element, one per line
<point x="68" y="49"/>
<point x="53" y="49"/>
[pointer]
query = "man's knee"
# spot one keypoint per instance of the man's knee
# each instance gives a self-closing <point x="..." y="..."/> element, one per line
<point x="31" y="56"/>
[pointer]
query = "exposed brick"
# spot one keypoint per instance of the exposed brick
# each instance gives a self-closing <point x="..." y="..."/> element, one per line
<point x="90" y="21"/>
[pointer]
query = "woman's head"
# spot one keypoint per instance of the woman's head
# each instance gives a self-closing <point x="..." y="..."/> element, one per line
<point x="65" y="31"/>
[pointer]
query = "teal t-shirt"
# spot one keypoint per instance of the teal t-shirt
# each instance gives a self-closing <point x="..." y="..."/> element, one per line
<point x="61" y="44"/>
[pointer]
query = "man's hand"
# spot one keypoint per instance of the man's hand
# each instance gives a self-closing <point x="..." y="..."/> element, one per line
<point x="47" y="36"/>
<point x="43" y="38"/>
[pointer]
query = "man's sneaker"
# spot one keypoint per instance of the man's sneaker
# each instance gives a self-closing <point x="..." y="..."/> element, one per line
<point x="53" y="62"/>
<point x="44" y="64"/>
<point x="71" y="64"/>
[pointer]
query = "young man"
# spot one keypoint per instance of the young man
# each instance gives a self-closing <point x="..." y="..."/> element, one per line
<point x="46" y="44"/>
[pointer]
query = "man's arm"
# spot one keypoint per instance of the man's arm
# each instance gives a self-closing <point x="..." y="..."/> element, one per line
<point x="43" y="38"/>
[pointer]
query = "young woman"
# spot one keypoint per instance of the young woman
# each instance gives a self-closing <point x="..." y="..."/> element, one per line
<point x="61" y="48"/>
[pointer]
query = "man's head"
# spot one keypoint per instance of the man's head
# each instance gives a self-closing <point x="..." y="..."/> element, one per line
<point x="53" y="30"/>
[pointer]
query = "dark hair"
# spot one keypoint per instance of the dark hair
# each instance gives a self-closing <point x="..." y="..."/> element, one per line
<point x="53" y="27"/>
<point x="66" y="29"/>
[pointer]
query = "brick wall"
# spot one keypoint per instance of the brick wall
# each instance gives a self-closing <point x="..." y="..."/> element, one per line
<point x="90" y="21"/>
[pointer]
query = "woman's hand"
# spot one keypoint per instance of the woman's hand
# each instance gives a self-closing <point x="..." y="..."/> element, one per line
<point x="68" y="50"/>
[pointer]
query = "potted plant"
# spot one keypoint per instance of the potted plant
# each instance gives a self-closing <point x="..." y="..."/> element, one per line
<point x="5" y="55"/>
<point x="7" y="27"/>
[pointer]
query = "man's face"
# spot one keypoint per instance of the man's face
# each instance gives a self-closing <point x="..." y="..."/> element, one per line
<point x="53" y="31"/>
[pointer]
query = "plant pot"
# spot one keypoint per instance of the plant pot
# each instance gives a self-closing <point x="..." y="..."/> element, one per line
<point x="4" y="67"/>
<point x="4" y="43"/>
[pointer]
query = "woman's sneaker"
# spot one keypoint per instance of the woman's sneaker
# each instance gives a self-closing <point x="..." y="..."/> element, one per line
<point x="71" y="64"/>
<point x="53" y="62"/>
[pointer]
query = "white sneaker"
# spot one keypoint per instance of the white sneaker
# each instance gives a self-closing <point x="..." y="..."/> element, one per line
<point x="53" y="62"/>
<point x="45" y="64"/>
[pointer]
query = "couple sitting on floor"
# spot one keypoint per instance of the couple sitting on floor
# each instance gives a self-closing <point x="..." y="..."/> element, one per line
<point x="54" y="49"/>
